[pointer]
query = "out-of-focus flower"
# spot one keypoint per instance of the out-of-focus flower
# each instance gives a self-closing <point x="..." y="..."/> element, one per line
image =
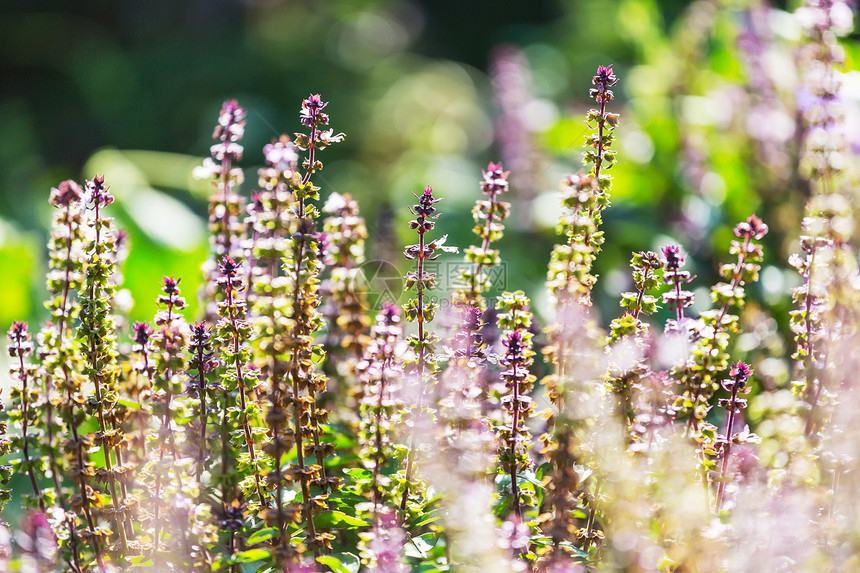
<point x="753" y="228"/>
<point x="66" y="193"/>
<point x="281" y="155"/>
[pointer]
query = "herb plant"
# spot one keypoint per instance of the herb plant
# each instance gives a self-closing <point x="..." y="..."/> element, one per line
<point x="290" y="427"/>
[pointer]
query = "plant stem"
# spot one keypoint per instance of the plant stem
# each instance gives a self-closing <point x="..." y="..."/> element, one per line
<point x="249" y="439"/>
<point x="589" y="528"/>
<point x="25" y="442"/>
<point x="693" y="422"/>
<point x="204" y="413"/>
<point x="377" y="454"/>
<point x="807" y="323"/>
<point x="638" y="308"/>
<point x="306" y="494"/>
<point x="225" y="454"/>
<point x="726" y="451"/>
<point x="473" y="287"/>
<point x="410" y="457"/>
<point x="107" y="448"/>
<point x="597" y="165"/>
<point x="167" y="424"/>
<point x="298" y="408"/>
<point x="679" y="309"/>
<point x="82" y="483"/>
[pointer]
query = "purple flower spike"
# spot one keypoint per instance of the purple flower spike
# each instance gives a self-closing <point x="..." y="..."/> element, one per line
<point x="740" y="371"/>
<point x="735" y="405"/>
<point x="677" y="298"/>
<point x="97" y="192"/>
<point x="19" y="338"/>
<point x="514" y="344"/>
<point x="231" y="113"/>
<point x="281" y="154"/>
<point x="673" y="256"/>
<point x="66" y="194"/>
<point x="18" y="331"/>
<point x="230" y="129"/>
<point x="604" y="80"/>
<point x="141" y="333"/>
<point x="604" y="77"/>
<point x="495" y="179"/>
<point x="753" y="228"/>
<point x="390" y="313"/>
<point x="312" y="114"/>
<point x="229" y="267"/>
<point x="171" y="285"/>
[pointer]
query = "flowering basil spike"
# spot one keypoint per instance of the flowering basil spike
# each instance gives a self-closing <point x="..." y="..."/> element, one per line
<point x="60" y="360"/>
<point x="575" y="345"/>
<point x="584" y="197"/>
<point x="514" y="436"/>
<point x="489" y="215"/>
<point x="301" y="384"/>
<point x="421" y="310"/>
<point x="226" y="228"/>
<point x="345" y="292"/>
<point x="712" y="331"/>
<point x="677" y="299"/>
<point x="24" y="397"/>
<point x="97" y="336"/>
<point x="735" y="385"/>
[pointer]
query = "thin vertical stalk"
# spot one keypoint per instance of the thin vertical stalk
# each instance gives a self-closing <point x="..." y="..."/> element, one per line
<point x="410" y="456"/>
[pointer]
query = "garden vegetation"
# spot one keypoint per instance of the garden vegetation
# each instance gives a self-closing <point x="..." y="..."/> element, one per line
<point x="295" y="426"/>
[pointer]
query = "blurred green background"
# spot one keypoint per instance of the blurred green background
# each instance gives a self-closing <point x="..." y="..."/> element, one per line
<point x="427" y="92"/>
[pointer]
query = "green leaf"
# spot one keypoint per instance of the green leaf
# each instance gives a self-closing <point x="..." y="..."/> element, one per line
<point x="432" y="500"/>
<point x="341" y="562"/>
<point x="346" y="501"/>
<point x="250" y="555"/>
<point x="426" y="518"/>
<point x="337" y="519"/>
<point x="420" y="547"/>
<point x="543" y="470"/>
<point x="262" y="535"/>
<point x="530" y="478"/>
<point x="358" y="473"/>
<point x="129" y="404"/>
